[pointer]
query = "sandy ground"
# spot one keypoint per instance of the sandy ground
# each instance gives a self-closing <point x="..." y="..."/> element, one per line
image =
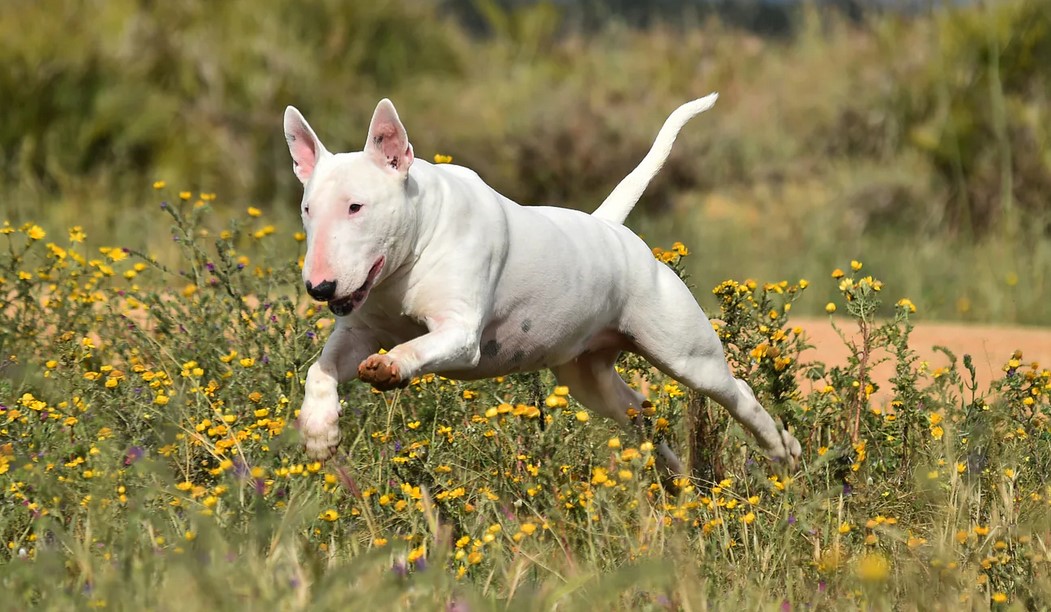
<point x="989" y="346"/>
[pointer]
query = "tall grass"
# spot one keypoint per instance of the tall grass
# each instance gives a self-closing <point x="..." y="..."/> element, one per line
<point x="148" y="455"/>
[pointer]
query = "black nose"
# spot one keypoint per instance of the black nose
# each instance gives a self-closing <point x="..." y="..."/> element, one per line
<point x="323" y="292"/>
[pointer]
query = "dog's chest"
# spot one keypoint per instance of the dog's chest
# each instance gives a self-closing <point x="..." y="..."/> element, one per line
<point x="391" y="329"/>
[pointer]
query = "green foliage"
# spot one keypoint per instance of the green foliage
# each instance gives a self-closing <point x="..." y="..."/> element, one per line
<point x="128" y="91"/>
<point x="118" y="95"/>
<point x="982" y="117"/>
<point x="904" y="136"/>
<point x="148" y="456"/>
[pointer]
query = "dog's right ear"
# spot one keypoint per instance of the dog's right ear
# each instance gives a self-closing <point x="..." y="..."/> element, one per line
<point x="303" y="144"/>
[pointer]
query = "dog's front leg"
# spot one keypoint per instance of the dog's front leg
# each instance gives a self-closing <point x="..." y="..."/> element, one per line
<point x="452" y="344"/>
<point x="319" y="416"/>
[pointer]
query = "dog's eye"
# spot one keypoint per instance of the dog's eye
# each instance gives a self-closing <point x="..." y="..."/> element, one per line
<point x="354" y="208"/>
<point x="306" y="210"/>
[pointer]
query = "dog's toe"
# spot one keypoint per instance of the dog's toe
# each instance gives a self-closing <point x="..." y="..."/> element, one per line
<point x="322" y="447"/>
<point x="381" y="372"/>
<point x="792" y="449"/>
<point x="784" y="450"/>
<point x="318" y="424"/>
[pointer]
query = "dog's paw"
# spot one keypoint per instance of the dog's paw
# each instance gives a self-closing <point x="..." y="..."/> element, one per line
<point x="381" y="372"/>
<point x="319" y="426"/>
<point x="787" y="451"/>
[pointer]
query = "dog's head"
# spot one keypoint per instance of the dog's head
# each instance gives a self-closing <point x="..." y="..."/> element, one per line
<point x="354" y="207"/>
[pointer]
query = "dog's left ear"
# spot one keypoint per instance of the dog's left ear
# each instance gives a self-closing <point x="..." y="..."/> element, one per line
<point x="388" y="143"/>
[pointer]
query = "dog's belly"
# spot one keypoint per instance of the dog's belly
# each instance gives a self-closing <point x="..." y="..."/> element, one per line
<point x="508" y="349"/>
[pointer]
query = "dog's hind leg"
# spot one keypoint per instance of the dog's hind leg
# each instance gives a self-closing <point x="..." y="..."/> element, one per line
<point x="594" y="382"/>
<point x="672" y="332"/>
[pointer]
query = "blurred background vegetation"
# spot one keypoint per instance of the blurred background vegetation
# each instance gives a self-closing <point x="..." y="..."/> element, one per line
<point x="914" y="136"/>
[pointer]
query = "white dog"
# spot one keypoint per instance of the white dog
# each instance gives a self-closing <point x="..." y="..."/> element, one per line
<point x="432" y="264"/>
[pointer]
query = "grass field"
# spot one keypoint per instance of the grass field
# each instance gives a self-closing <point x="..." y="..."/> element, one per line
<point x="148" y="455"/>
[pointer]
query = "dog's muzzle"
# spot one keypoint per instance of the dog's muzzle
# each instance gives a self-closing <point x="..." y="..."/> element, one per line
<point x="346" y="305"/>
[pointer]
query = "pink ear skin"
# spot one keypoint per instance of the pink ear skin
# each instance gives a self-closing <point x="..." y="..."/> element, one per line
<point x="388" y="143"/>
<point x="303" y="144"/>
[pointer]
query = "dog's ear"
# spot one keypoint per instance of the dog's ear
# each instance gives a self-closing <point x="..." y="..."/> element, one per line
<point x="303" y="144"/>
<point x="388" y="144"/>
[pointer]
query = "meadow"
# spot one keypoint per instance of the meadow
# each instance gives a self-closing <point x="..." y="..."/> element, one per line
<point x="155" y="333"/>
<point x="149" y="459"/>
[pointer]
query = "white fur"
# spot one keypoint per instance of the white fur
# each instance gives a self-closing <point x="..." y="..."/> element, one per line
<point x="473" y="285"/>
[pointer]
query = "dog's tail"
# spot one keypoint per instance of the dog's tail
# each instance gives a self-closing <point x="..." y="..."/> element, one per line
<point x="623" y="198"/>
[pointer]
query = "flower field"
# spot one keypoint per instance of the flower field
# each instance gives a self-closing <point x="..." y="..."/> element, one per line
<point x="149" y="456"/>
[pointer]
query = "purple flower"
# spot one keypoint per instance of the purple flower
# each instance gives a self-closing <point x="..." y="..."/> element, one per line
<point x="785" y="606"/>
<point x="241" y="469"/>
<point x="210" y="266"/>
<point x="791" y="519"/>
<point x="401" y="568"/>
<point x="164" y="205"/>
<point x="133" y="454"/>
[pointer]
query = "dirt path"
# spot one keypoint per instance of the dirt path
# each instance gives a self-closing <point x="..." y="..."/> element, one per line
<point x="989" y="346"/>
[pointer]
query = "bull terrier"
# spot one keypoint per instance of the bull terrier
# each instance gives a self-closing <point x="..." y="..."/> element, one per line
<point x="452" y="278"/>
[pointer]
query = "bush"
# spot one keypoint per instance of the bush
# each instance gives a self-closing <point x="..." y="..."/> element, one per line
<point x="979" y="114"/>
<point x="105" y="99"/>
<point x="131" y="91"/>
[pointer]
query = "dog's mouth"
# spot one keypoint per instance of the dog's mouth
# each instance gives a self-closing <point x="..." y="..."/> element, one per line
<point x="345" y="305"/>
